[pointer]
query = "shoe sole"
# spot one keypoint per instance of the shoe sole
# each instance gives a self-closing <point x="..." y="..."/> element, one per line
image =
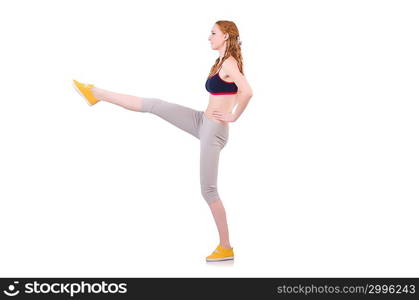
<point x="220" y="259"/>
<point x="80" y="93"/>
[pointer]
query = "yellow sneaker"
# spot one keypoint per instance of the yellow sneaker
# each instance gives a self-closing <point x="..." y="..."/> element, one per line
<point x="221" y="253"/>
<point x="84" y="90"/>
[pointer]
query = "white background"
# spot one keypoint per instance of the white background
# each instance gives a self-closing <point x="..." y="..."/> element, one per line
<point x="319" y="177"/>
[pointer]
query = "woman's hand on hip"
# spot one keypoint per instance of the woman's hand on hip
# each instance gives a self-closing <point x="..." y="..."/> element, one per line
<point x="222" y="116"/>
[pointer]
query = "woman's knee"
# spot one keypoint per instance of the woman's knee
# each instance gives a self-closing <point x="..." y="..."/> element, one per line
<point x="149" y="104"/>
<point x="210" y="193"/>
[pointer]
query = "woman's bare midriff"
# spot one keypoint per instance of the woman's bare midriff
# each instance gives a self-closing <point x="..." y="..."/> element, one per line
<point x="221" y="103"/>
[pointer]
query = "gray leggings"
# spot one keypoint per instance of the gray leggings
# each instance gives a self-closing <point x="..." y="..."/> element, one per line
<point x="213" y="137"/>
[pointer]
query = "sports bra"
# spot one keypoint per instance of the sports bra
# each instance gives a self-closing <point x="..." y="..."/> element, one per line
<point x="215" y="85"/>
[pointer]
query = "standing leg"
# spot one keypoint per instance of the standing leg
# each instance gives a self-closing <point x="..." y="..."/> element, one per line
<point x="220" y="217"/>
<point x="214" y="137"/>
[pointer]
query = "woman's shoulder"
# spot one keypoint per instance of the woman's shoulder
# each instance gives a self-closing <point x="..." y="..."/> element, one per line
<point x="230" y="60"/>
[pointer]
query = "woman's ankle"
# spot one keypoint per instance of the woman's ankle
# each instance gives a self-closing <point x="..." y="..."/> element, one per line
<point x="226" y="245"/>
<point x="95" y="92"/>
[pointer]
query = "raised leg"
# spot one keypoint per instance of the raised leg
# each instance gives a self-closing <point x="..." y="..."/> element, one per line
<point x="127" y="101"/>
<point x="184" y="118"/>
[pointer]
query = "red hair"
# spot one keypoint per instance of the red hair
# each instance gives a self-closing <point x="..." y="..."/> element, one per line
<point x="233" y="44"/>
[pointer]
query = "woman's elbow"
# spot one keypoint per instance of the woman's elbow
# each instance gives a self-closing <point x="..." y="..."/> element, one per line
<point x="247" y="93"/>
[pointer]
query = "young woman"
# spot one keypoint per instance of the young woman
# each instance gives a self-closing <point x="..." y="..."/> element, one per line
<point x="227" y="87"/>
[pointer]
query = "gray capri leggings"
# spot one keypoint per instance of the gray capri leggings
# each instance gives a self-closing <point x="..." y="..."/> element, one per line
<point x="213" y="137"/>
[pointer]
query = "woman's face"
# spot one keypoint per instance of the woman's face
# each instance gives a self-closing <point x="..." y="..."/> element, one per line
<point x="216" y="37"/>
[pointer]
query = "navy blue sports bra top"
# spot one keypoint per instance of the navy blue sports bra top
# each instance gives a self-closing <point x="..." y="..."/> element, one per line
<point x="215" y="85"/>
